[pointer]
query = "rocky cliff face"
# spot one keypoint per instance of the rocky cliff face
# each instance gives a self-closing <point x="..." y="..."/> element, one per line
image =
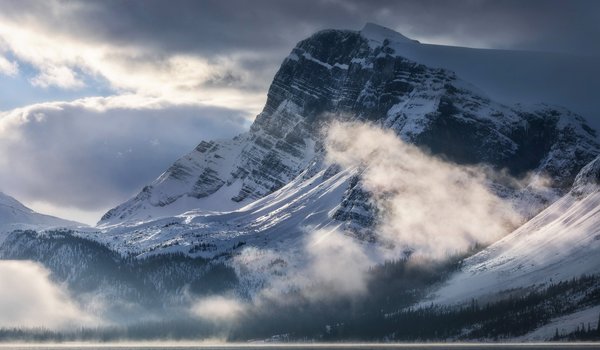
<point x="350" y="75"/>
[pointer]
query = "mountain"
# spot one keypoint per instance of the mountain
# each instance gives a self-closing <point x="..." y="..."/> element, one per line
<point x="232" y="217"/>
<point x="359" y="75"/>
<point x="270" y="187"/>
<point x="14" y="215"/>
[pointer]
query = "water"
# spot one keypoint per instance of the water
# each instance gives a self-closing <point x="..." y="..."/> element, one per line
<point x="191" y="346"/>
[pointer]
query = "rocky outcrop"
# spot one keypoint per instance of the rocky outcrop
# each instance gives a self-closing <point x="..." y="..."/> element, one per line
<point x="588" y="179"/>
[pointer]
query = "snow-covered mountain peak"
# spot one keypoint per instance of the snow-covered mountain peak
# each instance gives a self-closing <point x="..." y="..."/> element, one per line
<point x="379" y="33"/>
<point x="359" y="75"/>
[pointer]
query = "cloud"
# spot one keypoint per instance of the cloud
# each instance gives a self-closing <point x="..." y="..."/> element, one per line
<point x="217" y="308"/>
<point x="324" y="264"/>
<point x="29" y="299"/>
<point x="428" y="206"/>
<point x="189" y="50"/>
<point x="337" y="265"/>
<point x="7" y="67"/>
<point x="61" y="76"/>
<point x="91" y="154"/>
<point x="211" y="29"/>
<point x="70" y="60"/>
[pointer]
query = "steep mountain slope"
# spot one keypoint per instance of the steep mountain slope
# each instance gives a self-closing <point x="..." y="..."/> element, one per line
<point x="276" y="221"/>
<point x="14" y="215"/>
<point x="348" y="75"/>
<point x="560" y="243"/>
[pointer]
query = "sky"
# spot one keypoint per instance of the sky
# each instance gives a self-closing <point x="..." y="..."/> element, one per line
<point x="97" y="98"/>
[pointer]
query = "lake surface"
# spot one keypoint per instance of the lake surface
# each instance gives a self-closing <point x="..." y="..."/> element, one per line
<point x="261" y="346"/>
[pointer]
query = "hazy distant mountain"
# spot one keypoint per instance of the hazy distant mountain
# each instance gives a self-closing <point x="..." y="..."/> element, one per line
<point x="14" y="215"/>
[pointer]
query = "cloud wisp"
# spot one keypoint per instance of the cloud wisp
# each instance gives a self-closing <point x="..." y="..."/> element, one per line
<point x="28" y="298"/>
<point x="7" y="67"/>
<point x="428" y="206"/>
<point x="217" y="308"/>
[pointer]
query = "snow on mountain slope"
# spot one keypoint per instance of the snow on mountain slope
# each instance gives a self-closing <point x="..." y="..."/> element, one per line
<point x="363" y="76"/>
<point x="588" y="179"/>
<point x="308" y="201"/>
<point x="564" y="324"/>
<point x="223" y="175"/>
<point x="267" y="189"/>
<point x="560" y="243"/>
<point x="14" y="215"/>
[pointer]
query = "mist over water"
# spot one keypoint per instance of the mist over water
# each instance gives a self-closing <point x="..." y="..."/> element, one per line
<point x="304" y="346"/>
<point x="28" y="298"/>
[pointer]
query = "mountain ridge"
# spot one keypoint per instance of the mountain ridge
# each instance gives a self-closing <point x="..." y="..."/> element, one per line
<point x="14" y="215"/>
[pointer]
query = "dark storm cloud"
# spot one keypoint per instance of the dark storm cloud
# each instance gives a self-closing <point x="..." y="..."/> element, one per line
<point x="222" y="27"/>
<point x="223" y="79"/>
<point x="258" y="34"/>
